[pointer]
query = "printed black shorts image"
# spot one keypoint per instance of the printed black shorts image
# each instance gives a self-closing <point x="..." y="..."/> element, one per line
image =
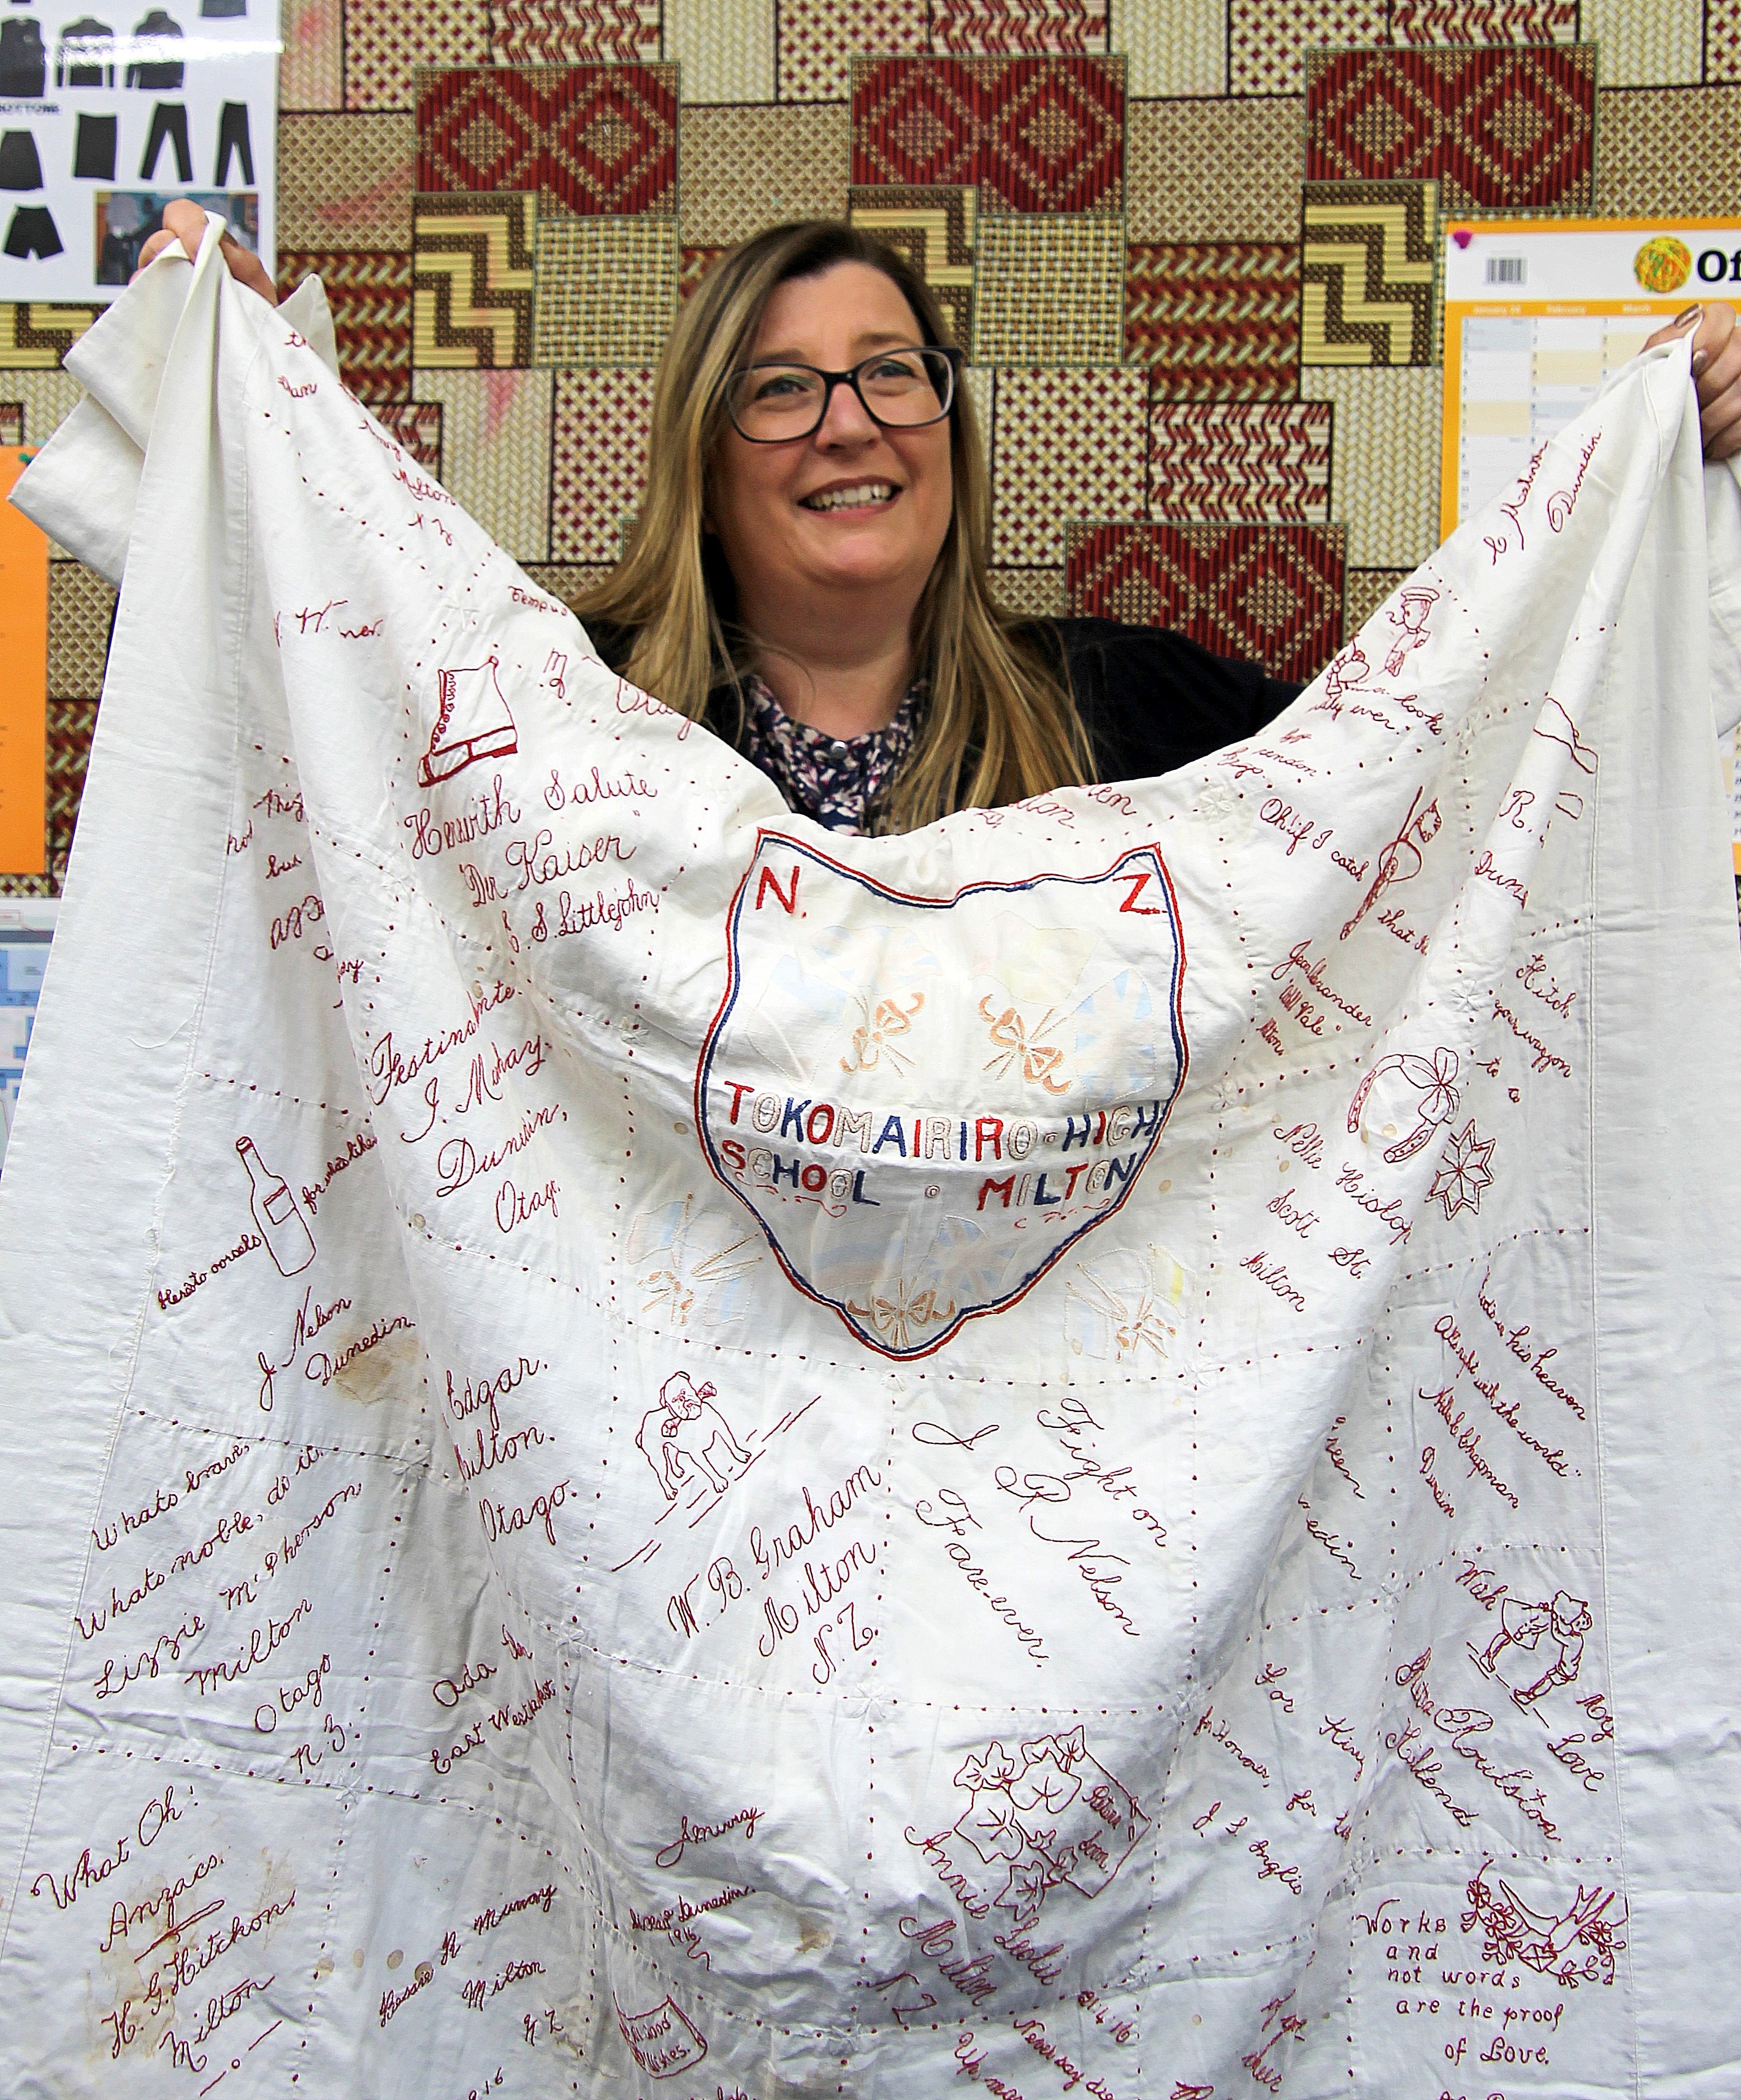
<point x="33" y="232"/>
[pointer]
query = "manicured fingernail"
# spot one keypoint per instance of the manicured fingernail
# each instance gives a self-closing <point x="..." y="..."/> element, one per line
<point x="1691" y="314"/>
<point x="1701" y="358"/>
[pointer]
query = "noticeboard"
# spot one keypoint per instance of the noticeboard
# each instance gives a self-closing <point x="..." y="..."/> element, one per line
<point x="105" y="116"/>
<point x="1538" y="313"/>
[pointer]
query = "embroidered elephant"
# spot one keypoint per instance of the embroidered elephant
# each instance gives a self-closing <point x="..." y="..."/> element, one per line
<point x="677" y="1438"/>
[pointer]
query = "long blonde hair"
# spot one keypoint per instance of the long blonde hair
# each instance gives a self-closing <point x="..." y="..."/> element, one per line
<point x="999" y="723"/>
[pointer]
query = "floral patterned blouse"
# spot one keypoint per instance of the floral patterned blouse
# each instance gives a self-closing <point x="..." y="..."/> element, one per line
<point x="833" y="780"/>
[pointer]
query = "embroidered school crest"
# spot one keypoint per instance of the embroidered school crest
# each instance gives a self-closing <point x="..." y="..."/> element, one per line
<point x="921" y="1152"/>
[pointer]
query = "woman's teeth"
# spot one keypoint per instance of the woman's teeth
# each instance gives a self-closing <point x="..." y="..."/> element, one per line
<point x="842" y="499"/>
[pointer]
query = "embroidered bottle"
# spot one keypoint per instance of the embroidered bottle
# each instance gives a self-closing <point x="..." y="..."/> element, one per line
<point x="276" y="1212"/>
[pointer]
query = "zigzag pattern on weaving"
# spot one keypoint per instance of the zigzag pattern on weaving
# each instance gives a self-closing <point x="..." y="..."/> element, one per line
<point x="1256" y="468"/>
<point x="473" y="279"/>
<point x="1497" y="22"/>
<point x="370" y="298"/>
<point x="1221" y="318"/>
<point x="417" y="424"/>
<point x="37" y="334"/>
<point x="996" y="28"/>
<point x="1365" y="283"/>
<point x="529" y="32"/>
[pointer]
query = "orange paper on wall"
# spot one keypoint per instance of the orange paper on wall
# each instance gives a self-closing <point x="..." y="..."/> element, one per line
<point x="23" y="681"/>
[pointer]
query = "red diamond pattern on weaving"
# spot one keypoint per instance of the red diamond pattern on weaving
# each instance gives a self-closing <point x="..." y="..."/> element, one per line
<point x="612" y="139"/>
<point x="1270" y="593"/>
<point x="917" y="120"/>
<point x="1501" y="128"/>
<point x="478" y="128"/>
<point x="1036" y="134"/>
<point x="595" y="138"/>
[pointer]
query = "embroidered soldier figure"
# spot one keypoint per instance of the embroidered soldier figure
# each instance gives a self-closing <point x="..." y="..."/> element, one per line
<point x="1564" y="1619"/>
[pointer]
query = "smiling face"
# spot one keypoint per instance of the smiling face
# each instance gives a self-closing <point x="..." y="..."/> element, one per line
<point x="854" y="509"/>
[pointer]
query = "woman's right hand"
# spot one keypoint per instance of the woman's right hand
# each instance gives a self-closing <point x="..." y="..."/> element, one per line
<point x="183" y="221"/>
<point x="1716" y="373"/>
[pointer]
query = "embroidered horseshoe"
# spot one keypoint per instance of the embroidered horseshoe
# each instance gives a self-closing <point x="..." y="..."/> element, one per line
<point x="1435" y="1078"/>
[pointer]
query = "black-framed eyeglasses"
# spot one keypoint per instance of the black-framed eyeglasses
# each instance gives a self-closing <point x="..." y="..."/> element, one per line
<point x="903" y="389"/>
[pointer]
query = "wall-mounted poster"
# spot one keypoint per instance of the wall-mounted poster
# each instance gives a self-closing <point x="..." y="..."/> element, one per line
<point x="1539" y="312"/>
<point x="107" y="115"/>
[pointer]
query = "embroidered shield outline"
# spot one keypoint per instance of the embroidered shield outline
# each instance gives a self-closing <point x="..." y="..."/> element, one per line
<point x="1139" y="873"/>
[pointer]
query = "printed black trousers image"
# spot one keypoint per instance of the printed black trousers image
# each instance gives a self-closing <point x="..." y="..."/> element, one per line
<point x="33" y="232"/>
<point x="169" y="120"/>
<point x="233" y="139"/>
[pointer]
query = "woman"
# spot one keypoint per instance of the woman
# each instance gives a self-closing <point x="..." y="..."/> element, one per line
<point x="807" y="574"/>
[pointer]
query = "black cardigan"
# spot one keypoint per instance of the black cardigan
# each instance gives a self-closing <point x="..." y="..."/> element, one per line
<point x="1151" y="700"/>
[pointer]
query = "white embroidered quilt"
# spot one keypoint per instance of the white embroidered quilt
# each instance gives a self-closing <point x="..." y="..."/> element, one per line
<point x="649" y="1452"/>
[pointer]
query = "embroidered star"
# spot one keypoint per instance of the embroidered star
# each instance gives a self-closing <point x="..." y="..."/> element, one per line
<point x="1464" y="1172"/>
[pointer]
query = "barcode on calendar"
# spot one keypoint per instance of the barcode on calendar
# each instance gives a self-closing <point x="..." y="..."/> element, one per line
<point x="1506" y="269"/>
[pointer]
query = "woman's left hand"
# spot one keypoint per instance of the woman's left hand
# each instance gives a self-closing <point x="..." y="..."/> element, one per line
<point x="184" y="221"/>
<point x="1716" y="373"/>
